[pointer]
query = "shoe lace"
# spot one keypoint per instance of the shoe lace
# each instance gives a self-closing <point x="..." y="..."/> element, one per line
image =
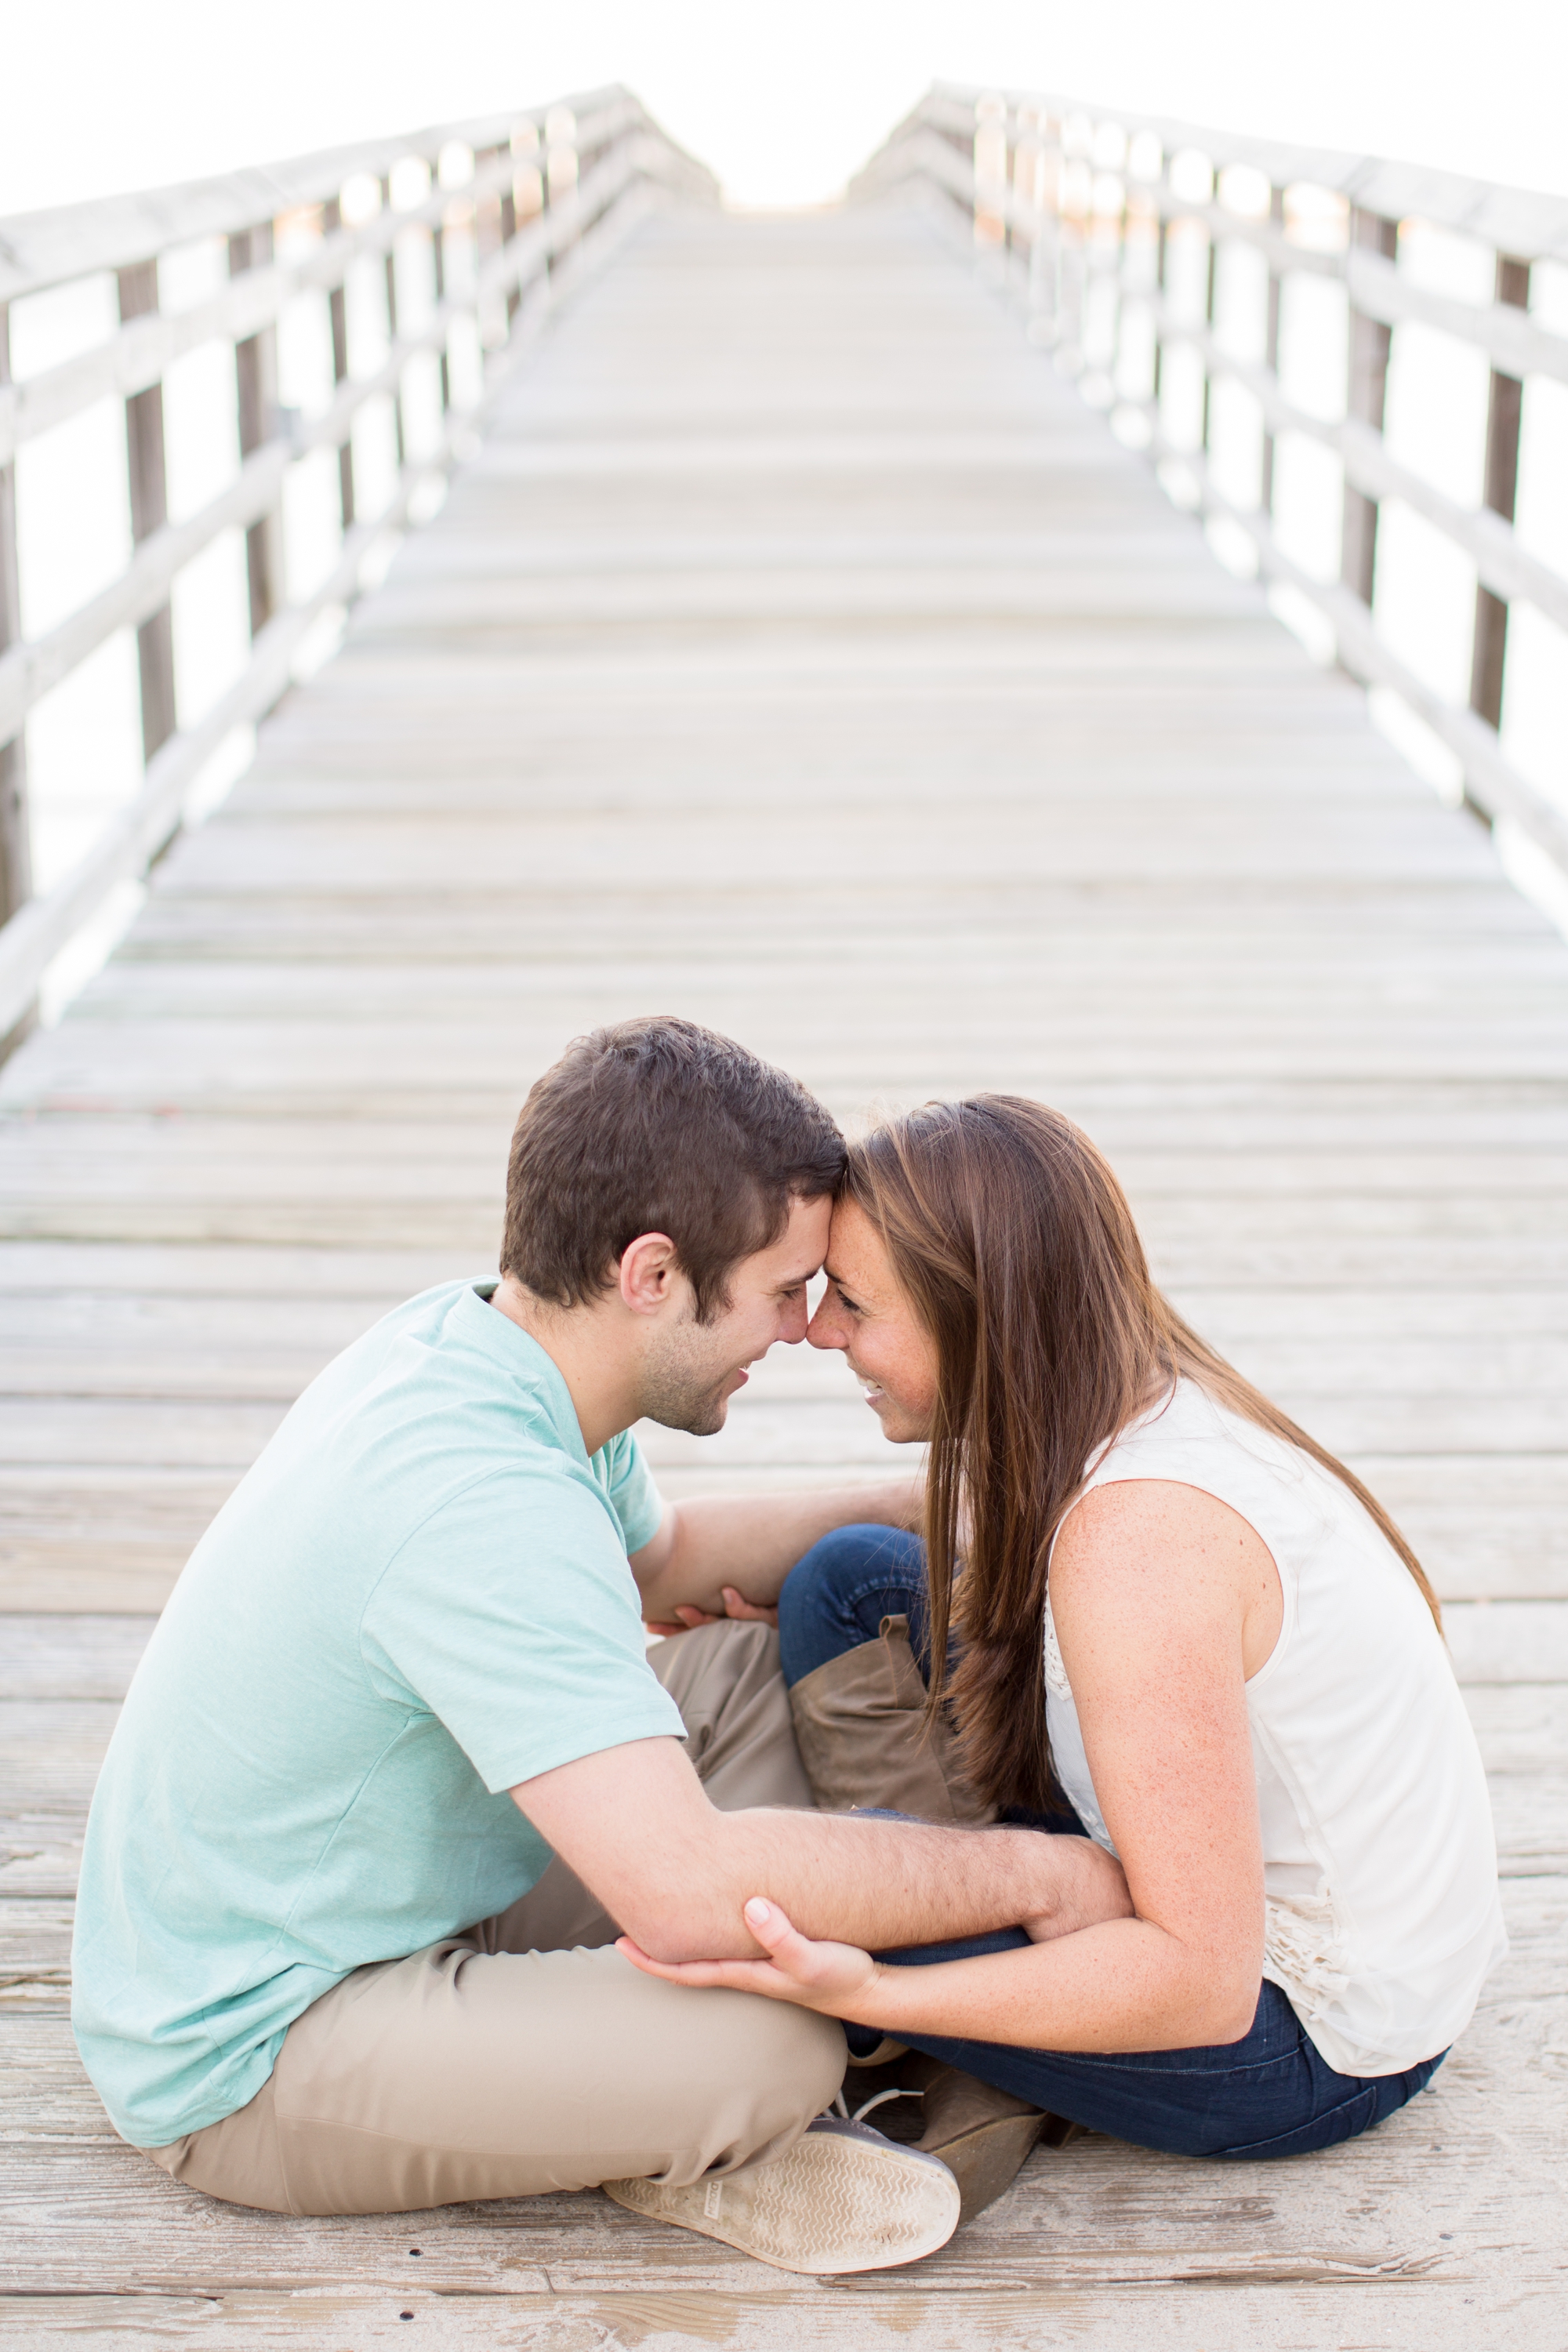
<point x="878" y="2099"/>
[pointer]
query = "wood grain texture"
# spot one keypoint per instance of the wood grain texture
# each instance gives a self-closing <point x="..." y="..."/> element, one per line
<point x="797" y="654"/>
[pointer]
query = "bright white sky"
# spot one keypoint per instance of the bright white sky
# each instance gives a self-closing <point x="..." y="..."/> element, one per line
<point x="784" y="100"/>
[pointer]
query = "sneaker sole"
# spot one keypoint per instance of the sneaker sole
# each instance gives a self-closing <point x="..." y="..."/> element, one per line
<point x="828" y="2206"/>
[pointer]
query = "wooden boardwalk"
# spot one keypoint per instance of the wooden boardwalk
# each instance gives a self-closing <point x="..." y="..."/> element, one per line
<point x="800" y="655"/>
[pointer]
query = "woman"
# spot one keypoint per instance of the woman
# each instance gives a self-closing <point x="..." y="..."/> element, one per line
<point x="1180" y="1627"/>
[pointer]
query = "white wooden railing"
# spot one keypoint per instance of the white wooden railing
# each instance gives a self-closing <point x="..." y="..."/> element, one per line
<point x="1082" y="214"/>
<point x="505" y="213"/>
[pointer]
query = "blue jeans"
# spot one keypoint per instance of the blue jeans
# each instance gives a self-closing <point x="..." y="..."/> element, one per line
<point x="1271" y="2094"/>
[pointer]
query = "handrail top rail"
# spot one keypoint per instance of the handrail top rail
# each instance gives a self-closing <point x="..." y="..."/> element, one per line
<point x="52" y="247"/>
<point x="1528" y="225"/>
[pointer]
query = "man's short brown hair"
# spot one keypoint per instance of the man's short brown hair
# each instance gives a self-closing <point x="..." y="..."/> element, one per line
<point x="660" y="1127"/>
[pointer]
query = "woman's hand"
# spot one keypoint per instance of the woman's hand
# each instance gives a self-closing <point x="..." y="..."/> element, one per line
<point x="833" y="1977"/>
<point x="735" y="1605"/>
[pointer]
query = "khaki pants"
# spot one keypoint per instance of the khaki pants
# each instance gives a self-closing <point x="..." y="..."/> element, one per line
<point x="523" y="2055"/>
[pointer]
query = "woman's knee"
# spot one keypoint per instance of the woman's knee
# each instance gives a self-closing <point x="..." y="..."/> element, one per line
<point x="823" y="1596"/>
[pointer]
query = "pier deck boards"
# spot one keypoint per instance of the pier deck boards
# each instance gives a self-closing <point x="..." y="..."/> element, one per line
<point x="799" y="654"/>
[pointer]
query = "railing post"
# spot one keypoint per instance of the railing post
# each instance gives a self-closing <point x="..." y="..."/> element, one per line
<point x="1271" y="351"/>
<point x="1365" y="394"/>
<point x="1162" y="271"/>
<point x="547" y="147"/>
<point x="1043" y="252"/>
<point x="337" y="306"/>
<point x="398" y="425"/>
<point x="1210" y="287"/>
<point x="149" y="513"/>
<point x="1119" y="275"/>
<point x="1009" y="155"/>
<point x="15" y="860"/>
<point x="496" y="223"/>
<point x="508" y="231"/>
<point x="256" y="371"/>
<point x="439" y="281"/>
<point x="1503" y="405"/>
<point x="487" y="212"/>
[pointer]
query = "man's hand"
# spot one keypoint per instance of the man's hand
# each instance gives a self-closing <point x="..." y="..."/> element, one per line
<point x="1089" y="1886"/>
<point x="832" y="1977"/>
<point x="735" y="1605"/>
<point x="680" y="1569"/>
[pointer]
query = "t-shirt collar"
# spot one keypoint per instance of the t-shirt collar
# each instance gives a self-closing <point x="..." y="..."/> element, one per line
<point x="521" y="1355"/>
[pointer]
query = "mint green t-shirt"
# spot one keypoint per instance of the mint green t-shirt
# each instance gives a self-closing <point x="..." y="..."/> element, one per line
<point x="417" y="1598"/>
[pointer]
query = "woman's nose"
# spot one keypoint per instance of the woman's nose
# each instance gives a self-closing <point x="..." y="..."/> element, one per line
<point x="820" y="1332"/>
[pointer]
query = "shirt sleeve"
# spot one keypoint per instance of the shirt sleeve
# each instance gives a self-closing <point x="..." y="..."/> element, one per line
<point x="634" y="1497"/>
<point x="512" y="1617"/>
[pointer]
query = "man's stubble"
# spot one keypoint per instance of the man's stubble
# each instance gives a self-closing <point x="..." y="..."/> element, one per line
<point x="684" y="1387"/>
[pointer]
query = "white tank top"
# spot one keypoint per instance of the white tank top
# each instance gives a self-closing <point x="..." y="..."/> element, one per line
<point x="1383" y="1917"/>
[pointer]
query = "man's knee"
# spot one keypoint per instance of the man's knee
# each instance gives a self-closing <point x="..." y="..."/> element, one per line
<point x="710" y="1666"/>
<point x="790" y="2060"/>
<point x="804" y="2050"/>
<point x="725" y="1680"/>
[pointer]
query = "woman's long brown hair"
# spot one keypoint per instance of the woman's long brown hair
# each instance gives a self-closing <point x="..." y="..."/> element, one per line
<point x="1016" y="1246"/>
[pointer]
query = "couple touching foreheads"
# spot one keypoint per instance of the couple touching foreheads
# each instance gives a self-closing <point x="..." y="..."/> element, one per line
<point x="1107" y="1771"/>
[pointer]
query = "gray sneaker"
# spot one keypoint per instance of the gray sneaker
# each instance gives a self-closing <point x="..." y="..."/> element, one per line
<point x="842" y="2198"/>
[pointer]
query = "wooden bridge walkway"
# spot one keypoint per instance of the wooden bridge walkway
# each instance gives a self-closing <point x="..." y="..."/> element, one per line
<point x="800" y="655"/>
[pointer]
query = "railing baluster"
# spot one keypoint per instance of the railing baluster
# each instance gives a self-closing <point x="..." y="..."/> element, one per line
<point x="487" y="232"/>
<point x="15" y="859"/>
<point x="508" y="231"/>
<point x="1211" y="284"/>
<point x="397" y="423"/>
<point x="438" y="279"/>
<point x="337" y="307"/>
<point x="256" y="371"/>
<point x="1366" y="393"/>
<point x="149" y="513"/>
<point x="1161" y="271"/>
<point x="1118" y="275"/>
<point x="1047" y="242"/>
<point x="1271" y="351"/>
<point x="545" y="197"/>
<point x="1504" y="403"/>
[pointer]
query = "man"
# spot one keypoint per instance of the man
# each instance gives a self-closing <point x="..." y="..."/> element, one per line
<point x="407" y="1664"/>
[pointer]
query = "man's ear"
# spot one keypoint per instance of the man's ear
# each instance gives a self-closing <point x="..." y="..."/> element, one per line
<point x="648" y="1273"/>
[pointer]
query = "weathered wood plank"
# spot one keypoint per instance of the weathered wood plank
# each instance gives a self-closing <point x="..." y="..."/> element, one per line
<point x="194" y="1432"/>
<point x="799" y="655"/>
<point x="48" y="1656"/>
<point x="1429" y="2200"/>
<point x="51" y="1270"/>
<point x="96" y="1344"/>
<point x="1148" y="2318"/>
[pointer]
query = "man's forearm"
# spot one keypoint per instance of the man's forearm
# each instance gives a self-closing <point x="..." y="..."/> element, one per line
<point x="878" y="1884"/>
<point x="753" y="1541"/>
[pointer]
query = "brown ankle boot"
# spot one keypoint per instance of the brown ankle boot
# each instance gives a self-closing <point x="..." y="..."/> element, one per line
<point x="860" y="1724"/>
<point x="980" y="2133"/>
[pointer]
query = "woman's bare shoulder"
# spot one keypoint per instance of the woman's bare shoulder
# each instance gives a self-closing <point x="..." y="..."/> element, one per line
<point x="1158" y="1547"/>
